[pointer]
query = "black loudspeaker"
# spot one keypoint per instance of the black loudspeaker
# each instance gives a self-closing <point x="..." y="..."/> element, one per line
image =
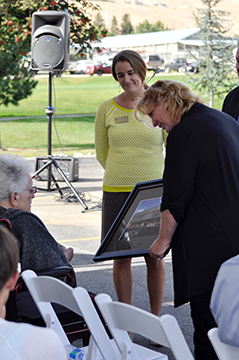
<point x="68" y="164"/>
<point x="50" y="41"/>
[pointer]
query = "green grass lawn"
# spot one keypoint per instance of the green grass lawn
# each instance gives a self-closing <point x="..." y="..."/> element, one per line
<point x="29" y="137"/>
<point x="70" y="95"/>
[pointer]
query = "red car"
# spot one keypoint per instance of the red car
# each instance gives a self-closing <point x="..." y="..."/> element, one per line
<point x="98" y="69"/>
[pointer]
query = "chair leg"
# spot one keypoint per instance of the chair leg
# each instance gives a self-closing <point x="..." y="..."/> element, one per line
<point x="86" y="338"/>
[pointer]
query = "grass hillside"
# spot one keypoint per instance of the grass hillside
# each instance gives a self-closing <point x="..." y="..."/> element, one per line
<point x="172" y="13"/>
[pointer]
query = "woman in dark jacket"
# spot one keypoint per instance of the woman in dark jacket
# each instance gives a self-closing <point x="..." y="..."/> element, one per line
<point x="200" y="209"/>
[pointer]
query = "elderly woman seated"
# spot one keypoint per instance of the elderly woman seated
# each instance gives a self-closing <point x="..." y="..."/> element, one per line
<point x="38" y="249"/>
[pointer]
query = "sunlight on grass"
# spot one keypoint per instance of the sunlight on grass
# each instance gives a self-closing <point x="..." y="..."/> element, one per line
<point x="76" y="95"/>
<point x="29" y="137"/>
<point x="70" y="95"/>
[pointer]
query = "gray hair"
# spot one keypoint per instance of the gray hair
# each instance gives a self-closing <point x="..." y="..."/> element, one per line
<point x="13" y="175"/>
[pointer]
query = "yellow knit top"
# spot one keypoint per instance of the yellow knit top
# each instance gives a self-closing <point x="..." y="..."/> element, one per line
<point x="128" y="150"/>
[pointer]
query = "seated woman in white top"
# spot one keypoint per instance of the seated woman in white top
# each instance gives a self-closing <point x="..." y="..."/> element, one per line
<point x="224" y="303"/>
<point x="19" y="341"/>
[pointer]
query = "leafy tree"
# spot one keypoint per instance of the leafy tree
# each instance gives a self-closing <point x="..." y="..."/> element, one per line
<point x="216" y="54"/>
<point x="15" y="40"/>
<point x="146" y="27"/>
<point x="126" y="26"/>
<point x="114" y="27"/>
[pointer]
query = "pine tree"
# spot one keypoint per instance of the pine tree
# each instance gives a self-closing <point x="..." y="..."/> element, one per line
<point x="15" y="41"/>
<point x="126" y="26"/>
<point x="114" y="27"/>
<point x="216" y="54"/>
<point x="98" y="20"/>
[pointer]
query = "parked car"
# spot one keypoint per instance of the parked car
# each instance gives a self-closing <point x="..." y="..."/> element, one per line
<point x="176" y="65"/>
<point x="71" y="67"/>
<point x="79" y="67"/>
<point x="153" y="62"/>
<point x="98" y="69"/>
<point x="193" y="67"/>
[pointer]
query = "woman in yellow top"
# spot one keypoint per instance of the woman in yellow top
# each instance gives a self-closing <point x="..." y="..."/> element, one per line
<point x="130" y="153"/>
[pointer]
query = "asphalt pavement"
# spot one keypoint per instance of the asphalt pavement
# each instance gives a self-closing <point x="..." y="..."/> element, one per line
<point x="72" y="225"/>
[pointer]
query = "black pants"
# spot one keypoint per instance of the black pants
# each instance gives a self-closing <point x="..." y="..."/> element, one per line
<point x="203" y="321"/>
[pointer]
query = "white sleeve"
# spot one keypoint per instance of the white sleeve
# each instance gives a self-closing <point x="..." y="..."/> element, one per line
<point x="43" y="343"/>
<point x="224" y="303"/>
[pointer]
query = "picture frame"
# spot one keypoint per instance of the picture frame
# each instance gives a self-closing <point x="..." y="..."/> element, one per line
<point x="137" y="225"/>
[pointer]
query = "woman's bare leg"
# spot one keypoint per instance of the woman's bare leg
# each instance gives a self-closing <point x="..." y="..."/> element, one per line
<point x="123" y="280"/>
<point x="156" y="283"/>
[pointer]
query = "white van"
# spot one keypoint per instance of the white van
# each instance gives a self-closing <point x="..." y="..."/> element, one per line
<point x="79" y="67"/>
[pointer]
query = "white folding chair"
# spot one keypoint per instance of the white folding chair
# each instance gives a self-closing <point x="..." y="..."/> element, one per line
<point x="224" y="351"/>
<point x="123" y="318"/>
<point x="46" y="290"/>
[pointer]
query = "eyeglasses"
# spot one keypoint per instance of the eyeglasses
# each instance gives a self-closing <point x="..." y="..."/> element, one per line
<point x="32" y="191"/>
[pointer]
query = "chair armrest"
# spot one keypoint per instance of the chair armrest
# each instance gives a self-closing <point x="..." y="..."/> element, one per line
<point x="55" y="272"/>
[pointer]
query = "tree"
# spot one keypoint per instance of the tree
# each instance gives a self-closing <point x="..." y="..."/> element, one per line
<point x="159" y="26"/>
<point x="98" y="20"/>
<point x="114" y="27"/>
<point x="216" y="54"/>
<point x="15" y="40"/>
<point x="146" y="27"/>
<point x="126" y="26"/>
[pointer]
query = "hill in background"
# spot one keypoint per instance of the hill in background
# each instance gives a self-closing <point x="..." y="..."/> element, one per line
<point x="174" y="14"/>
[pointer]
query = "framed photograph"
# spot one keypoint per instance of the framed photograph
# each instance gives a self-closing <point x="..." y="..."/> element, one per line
<point x="137" y="224"/>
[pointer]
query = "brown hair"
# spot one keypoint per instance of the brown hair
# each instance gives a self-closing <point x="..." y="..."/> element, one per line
<point x="176" y="97"/>
<point x="135" y="61"/>
<point x="9" y="255"/>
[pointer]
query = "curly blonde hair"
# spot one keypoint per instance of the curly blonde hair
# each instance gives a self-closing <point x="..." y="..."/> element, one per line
<point x="174" y="96"/>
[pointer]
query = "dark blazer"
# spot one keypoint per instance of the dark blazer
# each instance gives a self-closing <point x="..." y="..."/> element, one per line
<point x="201" y="190"/>
<point x="231" y="103"/>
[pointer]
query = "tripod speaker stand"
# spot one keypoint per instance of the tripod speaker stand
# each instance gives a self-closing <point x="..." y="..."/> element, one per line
<point x="51" y="162"/>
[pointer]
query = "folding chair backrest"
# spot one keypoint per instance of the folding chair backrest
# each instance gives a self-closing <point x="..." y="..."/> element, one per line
<point x="20" y="306"/>
<point x="44" y="306"/>
<point x="46" y="290"/>
<point x="164" y="330"/>
<point x="224" y="351"/>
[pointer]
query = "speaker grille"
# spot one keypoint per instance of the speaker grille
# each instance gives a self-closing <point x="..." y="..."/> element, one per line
<point x="48" y="53"/>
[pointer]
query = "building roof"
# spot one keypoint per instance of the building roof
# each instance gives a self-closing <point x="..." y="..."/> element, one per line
<point x="153" y="38"/>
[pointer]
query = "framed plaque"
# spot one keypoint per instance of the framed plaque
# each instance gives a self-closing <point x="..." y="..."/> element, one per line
<point x="137" y="224"/>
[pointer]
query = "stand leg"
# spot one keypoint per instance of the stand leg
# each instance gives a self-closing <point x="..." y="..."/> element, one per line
<point x="48" y="165"/>
<point x="69" y="184"/>
<point x="53" y="162"/>
<point x="42" y="168"/>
